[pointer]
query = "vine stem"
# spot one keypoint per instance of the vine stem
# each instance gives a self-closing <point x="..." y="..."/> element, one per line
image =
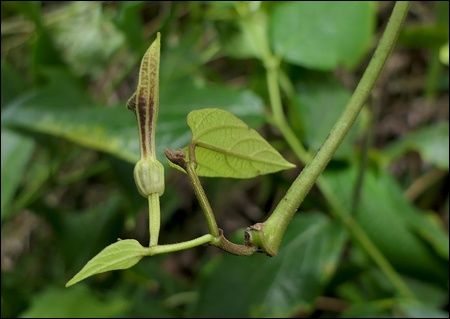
<point x="268" y="235"/>
<point x="203" y="200"/>
<point x="190" y="167"/>
<point x="154" y="218"/>
<point x="218" y="238"/>
<point x="169" y="248"/>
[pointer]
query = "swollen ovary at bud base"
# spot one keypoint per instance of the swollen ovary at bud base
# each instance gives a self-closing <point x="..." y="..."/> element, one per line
<point x="149" y="177"/>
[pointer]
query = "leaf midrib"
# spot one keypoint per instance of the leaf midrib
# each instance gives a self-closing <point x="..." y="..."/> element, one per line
<point x="241" y="156"/>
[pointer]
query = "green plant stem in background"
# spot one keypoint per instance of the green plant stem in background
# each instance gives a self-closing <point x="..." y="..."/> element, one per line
<point x="433" y="73"/>
<point x="423" y="183"/>
<point x="154" y="218"/>
<point x="269" y="235"/>
<point x="364" y="240"/>
<point x="435" y="68"/>
<point x="278" y="114"/>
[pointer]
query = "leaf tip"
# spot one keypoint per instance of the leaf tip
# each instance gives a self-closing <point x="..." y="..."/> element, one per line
<point x="157" y="42"/>
<point x="290" y="165"/>
<point x="71" y="282"/>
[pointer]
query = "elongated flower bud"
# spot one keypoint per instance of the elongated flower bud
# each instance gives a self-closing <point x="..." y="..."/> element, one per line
<point x="148" y="172"/>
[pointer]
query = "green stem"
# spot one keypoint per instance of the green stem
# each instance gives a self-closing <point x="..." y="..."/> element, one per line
<point x="338" y="211"/>
<point x="203" y="200"/>
<point x="434" y="67"/>
<point x="278" y="114"/>
<point x="235" y="249"/>
<point x="163" y="249"/>
<point x="433" y="73"/>
<point x="274" y="93"/>
<point x="219" y="240"/>
<point x="294" y="143"/>
<point x="154" y="218"/>
<point x="270" y="234"/>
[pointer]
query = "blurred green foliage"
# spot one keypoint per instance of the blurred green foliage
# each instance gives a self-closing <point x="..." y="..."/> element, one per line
<point x="68" y="145"/>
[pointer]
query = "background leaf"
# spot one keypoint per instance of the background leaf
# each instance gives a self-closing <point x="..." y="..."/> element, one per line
<point x="16" y="152"/>
<point x="443" y="54"/>
<point x="413" y="309"/>
<point x="431" y="142"/>
<point x="129" y="20"/>
<point x="114" y="130"/>
<point x="279" y="286"/>
<point x="388" y="218"/>
<point x="92" y="230"/>
<point x="87" y="38"/>
<point x="319" y="103"/>
<point x="77" y="302"/>
<point x="252" y="39"/>
<point x="12" y="83"/>
<point x="325" y="35"/>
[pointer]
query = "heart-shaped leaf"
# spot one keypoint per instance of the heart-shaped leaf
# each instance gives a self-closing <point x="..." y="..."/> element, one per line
<point x="120" y="255"/>
<point x="226" y="147"/>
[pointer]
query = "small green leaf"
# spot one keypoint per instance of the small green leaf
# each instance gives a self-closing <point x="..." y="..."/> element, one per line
<point x="120" y="255"/>
<point x="227" y="147"/>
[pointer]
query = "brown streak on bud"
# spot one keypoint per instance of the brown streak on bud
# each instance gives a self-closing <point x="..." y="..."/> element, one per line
<point x="142" y="119"/>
